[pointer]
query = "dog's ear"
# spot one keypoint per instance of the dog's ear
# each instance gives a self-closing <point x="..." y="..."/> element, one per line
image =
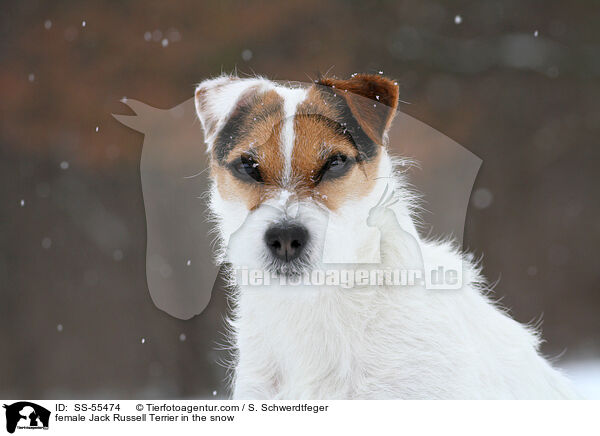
<point x="372" y="100"/>
<point x="218" y="99"/>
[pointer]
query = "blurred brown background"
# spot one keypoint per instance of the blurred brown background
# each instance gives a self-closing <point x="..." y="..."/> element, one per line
<point x="73" y="300"/>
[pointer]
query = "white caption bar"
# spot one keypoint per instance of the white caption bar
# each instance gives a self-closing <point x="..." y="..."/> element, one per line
<point x="214" y="417"/>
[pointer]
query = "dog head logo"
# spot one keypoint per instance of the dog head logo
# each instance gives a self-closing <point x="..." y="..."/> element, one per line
<point x="294" y="175"/>
<point x="26" y="415"/>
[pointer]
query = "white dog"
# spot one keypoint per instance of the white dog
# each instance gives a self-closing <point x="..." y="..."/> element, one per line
<point x="301" y="174"/>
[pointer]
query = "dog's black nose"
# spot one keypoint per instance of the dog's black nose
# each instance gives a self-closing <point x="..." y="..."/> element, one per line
<point x="286" y="241"/>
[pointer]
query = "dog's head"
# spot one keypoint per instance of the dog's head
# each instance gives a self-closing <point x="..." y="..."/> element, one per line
<point x="296" y="168"/>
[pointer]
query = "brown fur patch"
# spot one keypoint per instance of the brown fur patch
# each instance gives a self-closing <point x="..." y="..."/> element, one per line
<point x="317" y="138"/>
<point x="363" y="93"/>
<point x="259" y="136"/>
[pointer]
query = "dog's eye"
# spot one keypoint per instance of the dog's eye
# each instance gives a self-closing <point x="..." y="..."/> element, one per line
<point x="246" y="168"/>
<point x="336" y="166"/>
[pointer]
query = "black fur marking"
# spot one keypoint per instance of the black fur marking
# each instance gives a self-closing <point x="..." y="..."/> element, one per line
<point x="240" y="123"/>
<point x="367" y="149"/>
<point x="231" y="132"/>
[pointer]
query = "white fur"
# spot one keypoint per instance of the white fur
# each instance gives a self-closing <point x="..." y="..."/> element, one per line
<point x="378" y="342"/>
<point x="291" y="98"/>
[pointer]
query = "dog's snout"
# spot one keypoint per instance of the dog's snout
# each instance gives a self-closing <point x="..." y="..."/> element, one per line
<point x="286" y="241"/>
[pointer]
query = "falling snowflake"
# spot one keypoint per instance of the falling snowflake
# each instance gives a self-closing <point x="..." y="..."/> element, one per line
<point x="64" y="165"/>
<point x="46" y="243"/>
<point x="536" y="33"/>
<point x="165" y="42"/>
<point x="214" y="393"/>
<point x="59" y="328"/>
<point x="22" y="203"/>
<point x="147" y="36"/>
<point x="457" y="19"/>
<point x="97" y="128"/>
<point x="47" y="24"/>
<point x="31" y="77"/>
<point x="247" y="54"/>
<point x="189" y="262"/>
<point x="482" y="198"/>
<point x="143" y="340"/>
<point x="182" y="337"/>
<point x="83" y="23"/>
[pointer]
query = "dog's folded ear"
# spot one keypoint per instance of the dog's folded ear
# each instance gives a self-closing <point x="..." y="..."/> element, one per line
<point x="218" y="99"/>
<point x="372" y="100"/>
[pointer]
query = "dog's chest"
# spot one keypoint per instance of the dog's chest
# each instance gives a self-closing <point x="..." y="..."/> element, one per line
<point x="321" y="345"/>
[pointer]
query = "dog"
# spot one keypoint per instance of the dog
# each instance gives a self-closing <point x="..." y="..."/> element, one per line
<point x="300" y="172"/>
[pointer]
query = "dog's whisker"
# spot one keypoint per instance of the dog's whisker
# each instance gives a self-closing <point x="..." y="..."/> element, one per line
<point x="196" y="175"/>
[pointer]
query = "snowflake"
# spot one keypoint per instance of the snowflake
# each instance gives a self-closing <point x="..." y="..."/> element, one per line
<point x="247" y="54"/>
